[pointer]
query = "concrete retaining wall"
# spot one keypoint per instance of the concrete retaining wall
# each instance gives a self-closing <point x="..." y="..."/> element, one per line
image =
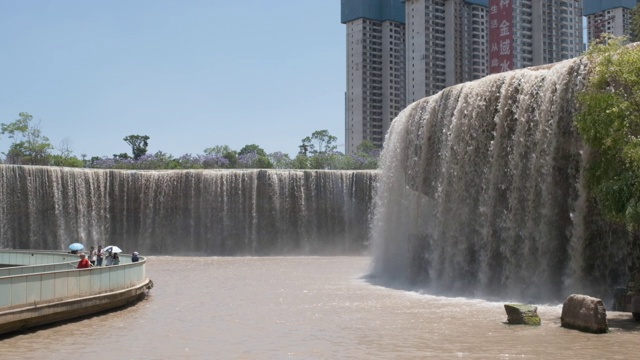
<point x="49" y="288"/>
<point x="24" y="318"/>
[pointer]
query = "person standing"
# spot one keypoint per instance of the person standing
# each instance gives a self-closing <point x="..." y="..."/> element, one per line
<point x="116" y="259"/>
<point x="84" y="262"/>
<point x="99" y="256"/>
<point x="135" y="257"/>
<point x="93" y="254"/>
<point x="108" y="260"/>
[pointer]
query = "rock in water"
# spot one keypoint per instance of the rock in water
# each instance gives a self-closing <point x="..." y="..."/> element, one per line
<point x="584" y="313"/>
<point x="621" y="299"/>
<point x="522" y="314"/>
<point x="634" y="305"/>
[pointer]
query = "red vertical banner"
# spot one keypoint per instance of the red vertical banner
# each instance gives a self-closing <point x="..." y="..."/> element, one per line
<point x="500" y="36"/>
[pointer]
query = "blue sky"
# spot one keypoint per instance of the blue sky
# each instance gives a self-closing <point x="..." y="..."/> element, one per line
<point x="190" y="74"/>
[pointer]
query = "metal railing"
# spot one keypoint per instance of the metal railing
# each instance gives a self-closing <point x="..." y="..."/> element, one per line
<point x="44" y="277"/>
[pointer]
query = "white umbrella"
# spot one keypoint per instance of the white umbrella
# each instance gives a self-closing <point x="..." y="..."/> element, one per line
<point x="114" y="249"/>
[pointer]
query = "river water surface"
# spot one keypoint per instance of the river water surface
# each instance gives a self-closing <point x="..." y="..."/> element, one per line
<point x="308" y="308"/>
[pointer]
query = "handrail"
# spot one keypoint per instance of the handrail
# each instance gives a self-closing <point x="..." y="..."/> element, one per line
<point x="45" y="283"/>
<point x="42" y="266"/>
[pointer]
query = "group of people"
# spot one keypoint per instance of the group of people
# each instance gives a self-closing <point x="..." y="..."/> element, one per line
<point x="98" y="256"/>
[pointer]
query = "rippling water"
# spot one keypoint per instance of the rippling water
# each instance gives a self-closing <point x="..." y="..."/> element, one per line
<point x="307" y="307"/>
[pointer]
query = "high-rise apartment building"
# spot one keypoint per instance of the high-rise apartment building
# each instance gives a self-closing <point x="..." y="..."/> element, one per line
<point x="525" y="33"/>
<point x="608" y="16"/>
<point x="375" y="69"/>
<point x="447" y="44"/>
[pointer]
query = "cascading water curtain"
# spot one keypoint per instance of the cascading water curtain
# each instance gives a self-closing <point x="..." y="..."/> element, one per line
<point x="481" y="193"/>
<point x="197" y="212"/>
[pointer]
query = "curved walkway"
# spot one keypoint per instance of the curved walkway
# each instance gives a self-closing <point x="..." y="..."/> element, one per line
<point x="41" y="287"/>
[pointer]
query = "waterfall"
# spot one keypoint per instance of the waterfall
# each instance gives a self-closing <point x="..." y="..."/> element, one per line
<point x="482" y="193"/>
<point x="204" y="212"/>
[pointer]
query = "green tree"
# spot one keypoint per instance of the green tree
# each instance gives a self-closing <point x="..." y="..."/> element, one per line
<point x="139" y="144"/>
<point x="253" y="156"/>
<point x="232" y="157"/>
<point x="121" y="156"/>
<point x="319" y="150"/>
<point x="219" y="150"/>
<point x="609" y="122"/>
<point x="263" y="162"/>
<point x="29" y="146"/>
<point x="17" y="128"/>
<point x="280" y="160"/>
<point x="300" y="162"/>
<point x="323" y="161"/>
<point x="320" y="142"/>
<point x="366" y="147"/>
<point x="66" y="161"/>
<point x="252" y="148"/>
<point x="367" y="154"/>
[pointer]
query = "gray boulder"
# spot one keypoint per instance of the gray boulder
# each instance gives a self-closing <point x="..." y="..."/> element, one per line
<point x="522" y="314"/>
<point x="584" y="313"/>
<point x="634" y="305"/>
<point x="622" y="300"/>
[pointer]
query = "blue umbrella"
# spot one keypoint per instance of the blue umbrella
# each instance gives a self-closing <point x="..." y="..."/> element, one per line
<point x="76" y="247"/>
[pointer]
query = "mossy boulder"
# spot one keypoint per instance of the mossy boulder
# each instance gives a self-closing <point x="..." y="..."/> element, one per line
<point x="521" y="314"/>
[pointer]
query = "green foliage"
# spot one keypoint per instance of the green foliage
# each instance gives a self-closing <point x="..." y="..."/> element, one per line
<point x="317" y="151"/>
<point x="609" y="121"/>
<point x="219" y="150"/>
<point x="232" y="156"/>
<point x="280" y="160"/>
<point x="139" y="144"/>
<point x="29" y="146"/>
<point x="320" y="161"/>
<point x="66" y="161"/>
<point x="121" y="156"/>
<point x="253" y="156"/>
<point x="252" y="148"/>
<point x="366" y="147"/>
<point x="320" y="142"/>
<point x="300" y="162"/>
<point x="159" y="160"/>
<point x="263" y="162"/>
<point x="17" y="128"/>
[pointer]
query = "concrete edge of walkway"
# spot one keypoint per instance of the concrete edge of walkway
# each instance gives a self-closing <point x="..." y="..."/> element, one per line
<point x="32" y="316"/>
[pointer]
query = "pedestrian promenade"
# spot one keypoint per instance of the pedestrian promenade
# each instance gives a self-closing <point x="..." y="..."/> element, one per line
<point x="42" y="287"/>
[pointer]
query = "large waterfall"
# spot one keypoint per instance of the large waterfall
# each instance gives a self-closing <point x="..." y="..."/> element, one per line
<point x="204" y="212"/>
<point x="481" y="193"/>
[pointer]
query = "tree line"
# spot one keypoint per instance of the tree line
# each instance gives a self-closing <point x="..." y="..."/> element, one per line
<point x="28" y="146"/>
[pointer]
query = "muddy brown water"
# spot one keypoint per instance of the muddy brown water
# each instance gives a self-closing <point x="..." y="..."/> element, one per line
<point x="308" y="308"/>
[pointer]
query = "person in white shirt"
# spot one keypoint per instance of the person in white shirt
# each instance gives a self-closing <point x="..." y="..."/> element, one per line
<point x="93" y="255"/>
<point x="109" y="259"/>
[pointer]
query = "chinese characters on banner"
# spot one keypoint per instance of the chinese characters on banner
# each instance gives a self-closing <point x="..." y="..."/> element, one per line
<point x="500" y="36"/>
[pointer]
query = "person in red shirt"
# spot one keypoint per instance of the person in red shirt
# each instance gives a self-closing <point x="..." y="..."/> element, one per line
<point x="84" y="262"/>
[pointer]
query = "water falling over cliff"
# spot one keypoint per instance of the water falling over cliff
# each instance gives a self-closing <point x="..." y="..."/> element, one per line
<point x="206" y="212"/>
<point x="481" y="193"/>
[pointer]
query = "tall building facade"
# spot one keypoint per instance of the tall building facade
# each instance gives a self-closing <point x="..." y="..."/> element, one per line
<point x="608" y="16"/>
<point x="446" y="44"/>
<point x="399" y="51"/>
<point x="526" y="33"/>
<point x="375" y="69"/>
